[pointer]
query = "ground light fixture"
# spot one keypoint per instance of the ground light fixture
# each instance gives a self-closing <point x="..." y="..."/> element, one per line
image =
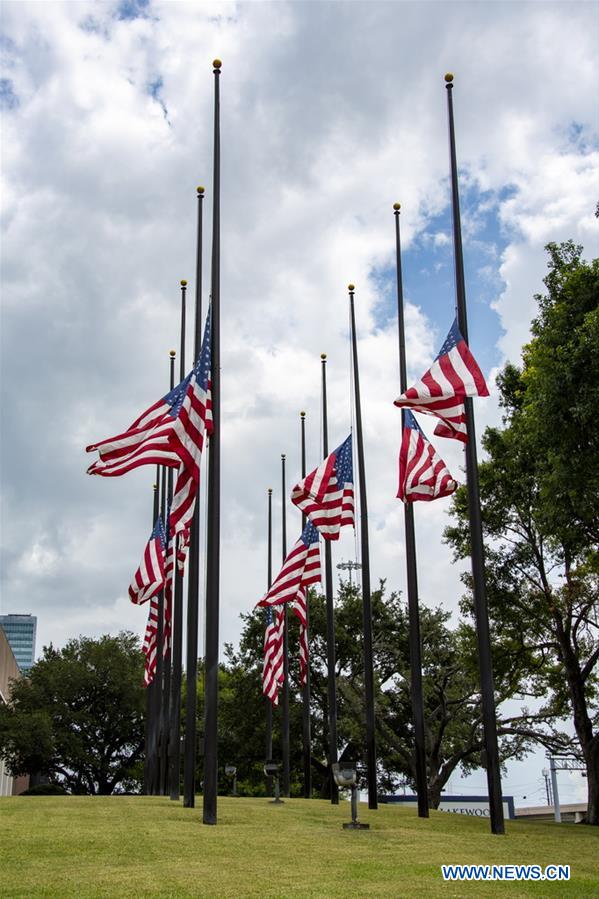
<point x="271" y="769"/>
<point x="231" y="771"/>
<point x="347" y="777"/>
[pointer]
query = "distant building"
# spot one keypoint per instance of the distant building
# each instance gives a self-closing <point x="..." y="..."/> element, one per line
<point x="570" y="812"/>
<point x="9" y="670"/>
<point x="20" y="632"/>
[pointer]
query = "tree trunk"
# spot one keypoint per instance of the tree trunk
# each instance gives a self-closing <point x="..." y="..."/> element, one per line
<point x="592" y="763"/>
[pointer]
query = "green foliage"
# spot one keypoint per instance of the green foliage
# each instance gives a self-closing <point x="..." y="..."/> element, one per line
<point x="45" y="790"/>
<point x="539" y="489"/>
<point x="78" y="717"/>
<point x="452" y="705"/>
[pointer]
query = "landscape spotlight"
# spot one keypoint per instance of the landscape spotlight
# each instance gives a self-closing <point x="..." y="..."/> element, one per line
<point x="271" y="769"/>
<point x="347" y="777"/>
<point x="231" y="771"/>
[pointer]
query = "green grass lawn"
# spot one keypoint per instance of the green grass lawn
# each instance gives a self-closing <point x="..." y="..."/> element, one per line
<point x="149" y="846"/>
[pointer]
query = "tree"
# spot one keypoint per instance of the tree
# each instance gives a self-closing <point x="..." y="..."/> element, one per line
<point x="79" y="716"/>
<point x="452" y="705"/>
<point x="540" y="507"/>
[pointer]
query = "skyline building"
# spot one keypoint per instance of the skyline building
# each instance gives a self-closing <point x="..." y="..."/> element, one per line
<point x="20" y="632"/>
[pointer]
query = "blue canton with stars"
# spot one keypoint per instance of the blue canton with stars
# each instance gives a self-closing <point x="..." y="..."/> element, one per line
<point x="410" y="421"/>
<point x="158" y="532"/>
<point x="201" y="370"/>
<point x="309" y="534"/>
<point x="345" y="470"/>
<point x="453" y="338"/>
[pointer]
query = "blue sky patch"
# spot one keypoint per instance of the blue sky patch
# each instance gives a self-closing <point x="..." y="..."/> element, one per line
<point x="428" y="271"/>
<point x="8" y="98"/>
<point x="154" y="88"/>
<point x="132" y="9"/>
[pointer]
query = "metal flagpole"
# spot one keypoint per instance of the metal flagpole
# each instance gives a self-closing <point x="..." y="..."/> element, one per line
<point x="476" y="534"/>
<point x="166" y="695"/>
<point x="285" y="702"/>
<point x="213" y="541"/>
<point x="412" y="576"/>
<point x="328" y="575"/>
<point x="193" y="580"/>
<point x="150" y="700"/>
<point x="366" y="606"/>
<point x="306" y="730"/>
<point x="268" y="741"/>
<point x="154" y="693"/>
<point x="159" y="673"/>
<point x="177" y="626"/>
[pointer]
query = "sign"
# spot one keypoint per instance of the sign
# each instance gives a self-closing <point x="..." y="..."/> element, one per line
<point x="475" y="806"/>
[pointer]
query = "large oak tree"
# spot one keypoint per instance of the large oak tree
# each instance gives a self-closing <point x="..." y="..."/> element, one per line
<point x="540" y="507"/>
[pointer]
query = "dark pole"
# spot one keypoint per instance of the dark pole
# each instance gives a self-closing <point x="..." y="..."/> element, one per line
<point x="166" y="690"/>
<point x="193" y="584"/>
<point x="153" y="688"/>
<point x="268" y="741"/>
<point x="483" y="636"/>
<point x="412" y="576"/>
<point x="177" y="626"/>
<point x="306" y="730"/>
<point x="213" y="543"/>
<point x="159" y="674"/>
<point x="328" y="575"/>
<point x="150" y="701"/>
<point x="366" y="605"/>
<point x="285" y="703"/>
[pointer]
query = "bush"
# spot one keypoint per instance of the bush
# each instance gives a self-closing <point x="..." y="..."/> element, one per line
<point x="45" y="790"/>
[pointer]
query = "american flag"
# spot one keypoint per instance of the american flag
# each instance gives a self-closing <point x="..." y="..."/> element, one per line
<point x="300" y="610"/>
<point x="273" y="672"/>
<point x="192" y="420"/>
<point x="145" y="442"/>
<point x="300" y="569"/>
<point x="149" y="578"/>
<point x="150" y="643"/>
<point x="423" y="475"/>
<point x="453" y="375"/>
<point x="170" y="433"/>
<point x="326" y="495"/>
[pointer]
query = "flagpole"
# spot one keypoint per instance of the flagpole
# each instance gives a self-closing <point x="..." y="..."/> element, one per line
<point x="153" y="687"/>
<point x="412" y="575"/>
<point x="268" y="741"/>
<point x="328" y="575"/>
<point x="150" y="700"/>
<point x="366" y="604"/>
<point x="306" y="734"/>
<point x="476" y="535"/>
<point x="166" y="696"/>
<point x="159" y="673"/>
<point x="213" y="542"/>
<point x="177" y="625"/>
<point x="193" y="579"/>
<point x="285" y="691"/>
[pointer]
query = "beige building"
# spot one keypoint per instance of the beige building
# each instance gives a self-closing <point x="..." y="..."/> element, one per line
<point x="9" y="785"/>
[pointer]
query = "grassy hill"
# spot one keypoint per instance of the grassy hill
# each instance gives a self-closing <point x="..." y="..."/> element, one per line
<point x="149" y="846"/>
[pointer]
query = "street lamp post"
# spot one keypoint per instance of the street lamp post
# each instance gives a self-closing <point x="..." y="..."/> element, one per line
<point x="349" y="566"/>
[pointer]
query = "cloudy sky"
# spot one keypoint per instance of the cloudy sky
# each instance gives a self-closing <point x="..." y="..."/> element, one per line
<point x="331" y="112"/>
